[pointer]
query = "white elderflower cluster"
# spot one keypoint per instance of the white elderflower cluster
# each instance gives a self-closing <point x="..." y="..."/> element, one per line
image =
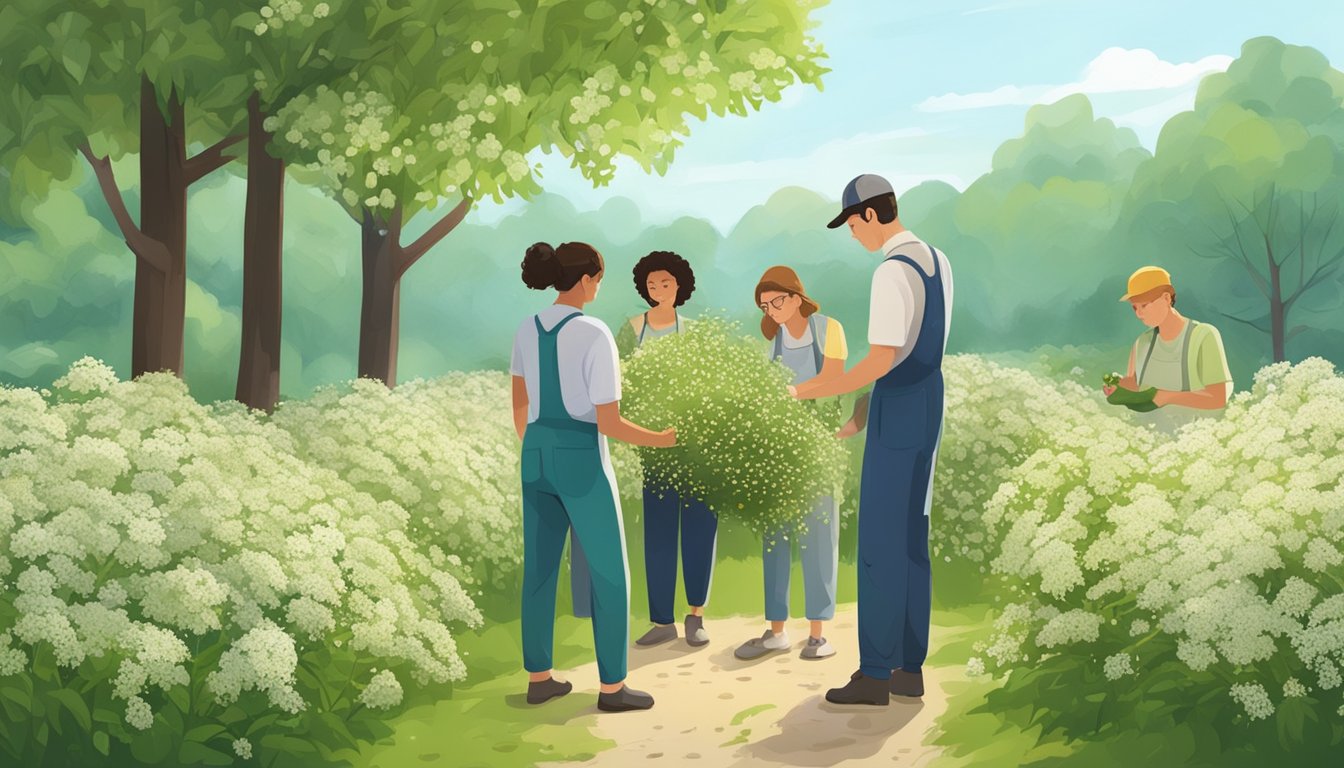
<point x="1118" y="665"/>
<point x="382" y="692"/>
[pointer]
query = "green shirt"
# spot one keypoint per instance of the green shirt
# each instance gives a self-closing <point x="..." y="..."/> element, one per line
<point x="1207" y="362"/>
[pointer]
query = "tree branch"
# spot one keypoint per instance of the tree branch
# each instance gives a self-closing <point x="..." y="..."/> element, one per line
<point x="441" y="228"/>
<point x="212" y="158"/>
<point x="1296" y="330"/>
<point x="1246" y="322"/>
<point x="146" y="248"/>
<point x="1241" y="253"/>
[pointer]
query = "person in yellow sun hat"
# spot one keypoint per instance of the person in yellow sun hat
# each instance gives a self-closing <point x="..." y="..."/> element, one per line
<point x="1182" y="358"/>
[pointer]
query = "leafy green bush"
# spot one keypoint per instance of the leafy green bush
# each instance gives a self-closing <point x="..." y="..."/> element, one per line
<point x="744" y="446"/>
<point x="1189" y="585"/>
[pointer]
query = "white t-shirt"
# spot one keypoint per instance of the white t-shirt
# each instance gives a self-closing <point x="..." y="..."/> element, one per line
<point x="896" y="308"/>
<point x="589" y="373"/>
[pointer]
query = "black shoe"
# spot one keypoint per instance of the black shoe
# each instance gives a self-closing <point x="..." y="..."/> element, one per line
<point x="624" y="700"/>
<point x="907" y="683"/>
<point x="861" y="689"/>
<point x="544" y="691"/>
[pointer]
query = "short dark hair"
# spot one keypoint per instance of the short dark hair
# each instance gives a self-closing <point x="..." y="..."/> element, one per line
<point x="884" y="206"/>
<point x="665" y="261"/>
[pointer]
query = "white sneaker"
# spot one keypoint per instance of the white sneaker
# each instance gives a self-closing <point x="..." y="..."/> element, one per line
<point x="757" y="647"/>
<point x="816" y="648"/>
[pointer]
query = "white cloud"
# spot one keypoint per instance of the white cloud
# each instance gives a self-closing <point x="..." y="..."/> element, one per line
<point x="1156" y="115"/>
<point x="1115" y="70"/>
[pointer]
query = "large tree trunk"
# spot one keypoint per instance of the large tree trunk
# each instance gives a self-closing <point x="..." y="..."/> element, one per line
<point x="385" y="261"/>
<point x="379" y="310"/>
<point x="161" y="294"/>
<point x="259" y="352"/>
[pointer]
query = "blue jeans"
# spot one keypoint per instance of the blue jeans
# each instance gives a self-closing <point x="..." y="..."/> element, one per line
<point x="818" y="547"/>
<point x="662" y="519"/>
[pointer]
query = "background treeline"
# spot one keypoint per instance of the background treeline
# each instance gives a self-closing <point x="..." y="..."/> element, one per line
<point x="1240" y="200"/>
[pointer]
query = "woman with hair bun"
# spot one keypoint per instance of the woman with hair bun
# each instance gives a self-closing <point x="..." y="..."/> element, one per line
<point x="566" y="403"/>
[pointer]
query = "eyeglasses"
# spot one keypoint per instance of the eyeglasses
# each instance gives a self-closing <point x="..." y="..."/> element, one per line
<point x="777" y="302"/>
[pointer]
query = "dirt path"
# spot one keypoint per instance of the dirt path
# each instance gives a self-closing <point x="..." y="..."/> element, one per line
<point x="718" y="711"/>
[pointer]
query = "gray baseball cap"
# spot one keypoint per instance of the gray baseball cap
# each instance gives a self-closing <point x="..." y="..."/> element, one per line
<point x="859" y="191"/>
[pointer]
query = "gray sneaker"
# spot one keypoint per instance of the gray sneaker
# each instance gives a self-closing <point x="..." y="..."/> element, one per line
<point x="660" y="633"/>
<point x="816" y="648"/>
<point x="767" y="643"/>
<point x="695" y="630"/>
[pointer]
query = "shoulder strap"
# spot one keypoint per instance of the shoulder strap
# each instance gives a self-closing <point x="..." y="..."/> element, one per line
<point x="1185" y="356"/>
<point x="537" y="319"/>
<point x="1152" y="341"/>
<point x="642" y="327"/>
<point x="816" y="343"/>
<point x="779" y="343"/>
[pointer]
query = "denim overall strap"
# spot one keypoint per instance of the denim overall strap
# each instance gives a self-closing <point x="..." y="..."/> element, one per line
<point x="550" y="403"/>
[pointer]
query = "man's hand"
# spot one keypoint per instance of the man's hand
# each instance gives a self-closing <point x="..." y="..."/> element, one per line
<point x="850" y="429"/>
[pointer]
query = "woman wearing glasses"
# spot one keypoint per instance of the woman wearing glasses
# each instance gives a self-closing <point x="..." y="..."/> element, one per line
<point x="813" y="347"/>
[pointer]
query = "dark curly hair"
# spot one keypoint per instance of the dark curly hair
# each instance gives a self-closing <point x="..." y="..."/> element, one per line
<point x="665" y="261"/>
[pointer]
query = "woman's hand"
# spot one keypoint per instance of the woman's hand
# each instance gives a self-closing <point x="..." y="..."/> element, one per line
<point x="666" y="439"/>
<point x="793" y="391"/>
<point x="1163" y="397"/>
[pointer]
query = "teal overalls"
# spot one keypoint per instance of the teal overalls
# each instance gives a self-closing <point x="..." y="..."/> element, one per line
<point x="566" y="483"/>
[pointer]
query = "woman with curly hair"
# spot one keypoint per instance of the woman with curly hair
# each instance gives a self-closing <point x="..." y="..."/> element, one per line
<point x="665" y="281"/>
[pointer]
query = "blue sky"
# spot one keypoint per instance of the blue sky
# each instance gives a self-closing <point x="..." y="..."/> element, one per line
<point x="928" y="90"/>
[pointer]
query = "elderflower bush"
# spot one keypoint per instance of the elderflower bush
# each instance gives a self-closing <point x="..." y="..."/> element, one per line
<point x="743" y="445"/>
<point x="1187" y="581"/>
<point x="178" y="581"/>
<point x="444" y="450"/>
<point x="996" y="418"/>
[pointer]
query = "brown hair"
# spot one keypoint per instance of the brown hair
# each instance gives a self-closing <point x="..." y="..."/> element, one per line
<point x="560" y="268"/>
<point x="783" y="280"/>
<point x="1144" y="298"/>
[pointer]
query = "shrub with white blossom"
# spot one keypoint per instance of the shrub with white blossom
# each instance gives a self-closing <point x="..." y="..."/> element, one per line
<point x="189" y="583"/>
<point x="1155" y="582"/>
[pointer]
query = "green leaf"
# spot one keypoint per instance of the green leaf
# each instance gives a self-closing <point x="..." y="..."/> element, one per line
<point x="75" y="56"/>
<point x="75" y="705"/>
<point x="17" y="696"/>
<point x="180" y="697"/>
<point x="287" y="744"/>
<point x="195" y="753"/>
<point x="204" y="733"/>
<point x="101" y="742"/>
<point x="105" y="715"/>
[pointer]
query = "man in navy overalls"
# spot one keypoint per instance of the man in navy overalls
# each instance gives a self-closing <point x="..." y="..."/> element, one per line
<point x="907" y="333"/>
